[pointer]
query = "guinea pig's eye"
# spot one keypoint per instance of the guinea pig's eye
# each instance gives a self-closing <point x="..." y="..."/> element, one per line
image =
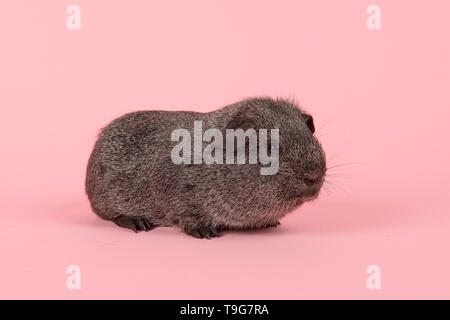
<point x="309" y="122"/>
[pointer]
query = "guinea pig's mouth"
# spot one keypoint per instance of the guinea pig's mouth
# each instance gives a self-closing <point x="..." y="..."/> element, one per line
<point x="310" y="198"/>
<point x="310" y="192"/>
<point x="303" y="196"/>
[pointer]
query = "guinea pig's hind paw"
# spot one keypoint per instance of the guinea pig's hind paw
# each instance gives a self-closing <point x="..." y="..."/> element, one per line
<point x="134" y="223"/>
<point x="202" y="232"/>
<point x="273" y="225"/>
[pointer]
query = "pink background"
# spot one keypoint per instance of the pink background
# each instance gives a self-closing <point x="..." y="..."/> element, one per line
<point x="380" y="99"/>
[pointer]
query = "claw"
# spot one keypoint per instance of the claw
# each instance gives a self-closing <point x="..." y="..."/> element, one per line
<point x="196" y="234"/>
<point x="134" y="223"/>
<point x="273" y="225"/>
<point x="202" y="232"/>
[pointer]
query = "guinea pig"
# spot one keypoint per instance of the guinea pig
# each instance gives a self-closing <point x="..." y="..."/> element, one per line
<point x="133" y="180"/>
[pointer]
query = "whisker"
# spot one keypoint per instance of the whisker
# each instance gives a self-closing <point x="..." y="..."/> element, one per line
<point x="340" y="175"/>
<point x="327" y="190"/>
<point x="320" y="135"/>
<point x="342" y="165"/>
<point x="335" y="186"/>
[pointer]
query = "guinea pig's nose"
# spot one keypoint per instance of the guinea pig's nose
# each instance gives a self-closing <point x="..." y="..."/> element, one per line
<point x="312" y="179"/>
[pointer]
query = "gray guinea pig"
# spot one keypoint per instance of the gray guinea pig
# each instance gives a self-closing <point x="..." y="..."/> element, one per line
<point x="133" y="181"/>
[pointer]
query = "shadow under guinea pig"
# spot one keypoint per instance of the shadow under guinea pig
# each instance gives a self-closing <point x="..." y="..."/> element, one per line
<point x="323" y="217"/>
<point x="345" y="216"/>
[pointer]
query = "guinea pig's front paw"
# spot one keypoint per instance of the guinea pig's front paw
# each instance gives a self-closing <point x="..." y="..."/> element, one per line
<point x="202" y="232"/>
<point x="134" y="223"/>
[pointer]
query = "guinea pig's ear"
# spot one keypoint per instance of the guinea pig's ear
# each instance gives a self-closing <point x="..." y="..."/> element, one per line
<point x="309" y="122"/>
<point x="241" y="120"/>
